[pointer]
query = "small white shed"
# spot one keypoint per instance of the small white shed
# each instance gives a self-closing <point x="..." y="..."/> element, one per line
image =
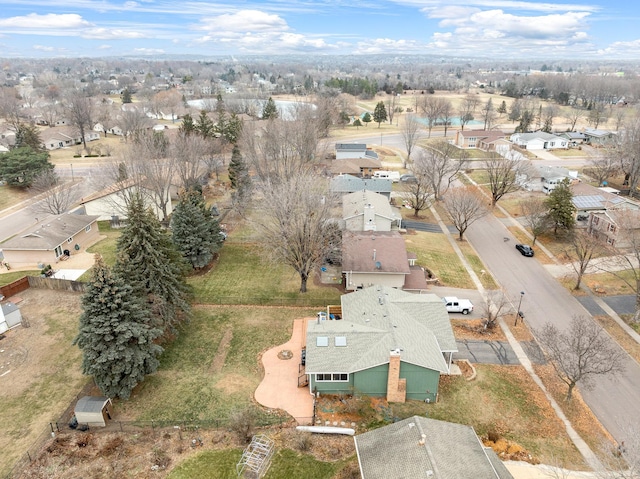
<point x="93" y="410"/>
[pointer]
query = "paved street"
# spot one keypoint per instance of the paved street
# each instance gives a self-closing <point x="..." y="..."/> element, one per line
<point x="613" y="401"/>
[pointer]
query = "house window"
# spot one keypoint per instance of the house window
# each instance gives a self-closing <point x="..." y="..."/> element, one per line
<point x="69" y="240"/>
<point x="610" y="241"/>
<point x="58" y="251"/>
<point x="87" y="228"/>
<point x="596" y="220"/>
<point x="611" y="228"/>
<point x="332" y="377"/>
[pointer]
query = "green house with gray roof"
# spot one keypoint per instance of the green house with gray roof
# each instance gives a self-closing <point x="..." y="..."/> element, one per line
<point x="389" y="343"/>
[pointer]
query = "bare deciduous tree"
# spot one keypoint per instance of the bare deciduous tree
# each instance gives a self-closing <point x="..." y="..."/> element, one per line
<point x="446" y="112"/>
<point x="504" y="174"/>
<point x="467" y="109"/>
<point x="580" y="352"/>
<point x="622" y="460"/>
<point x="56" y="196"/>
<point x="583" y="247"/>
<point x="627" y="148"/>
<point x="572" y="115"/>
<point x="535" y="212"/>
<point x="431" y="107"/>
<point x="410" y="131"/>
<point x="295" y="223"/>
<point x="79" y="110"/>
<point x="280" y="148"/>
<point x="464" y="206"/>
<point x="497" y="305"/>
<point x="439" y="165"/>
<point x="419" y="195"/>
<point x="602" y="165"/>
<point x="132" y="121"/>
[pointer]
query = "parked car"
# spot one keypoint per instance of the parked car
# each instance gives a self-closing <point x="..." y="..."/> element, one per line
<point x="407" y="178"/>
<point x="525" y="249"/>
<point x="457" y="305"/>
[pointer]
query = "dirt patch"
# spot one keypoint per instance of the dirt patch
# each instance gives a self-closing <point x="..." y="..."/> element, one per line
<point x="233" y="383"/>
<point x="475" y="329"/>
<point x="221" y="352"/>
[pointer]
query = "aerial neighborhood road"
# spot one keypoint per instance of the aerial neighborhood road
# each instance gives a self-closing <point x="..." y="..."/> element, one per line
<point x="614" y="402"/>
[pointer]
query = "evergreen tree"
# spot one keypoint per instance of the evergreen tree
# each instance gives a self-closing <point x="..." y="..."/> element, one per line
<point x="502" y="109"/>
<point x="187" y="127"/>
<point x="233" y="129"/>
<point x="380" y="113"/>
<point x="357" y="123"/>
<point x="115" y="334"/>
<point x="204" y="126"/>
<point x="153" y="266"/>
<point x="20" y="166"/>
<point x="238" y="170"/>
<point x="270" y="110"/>
<point x="28" y="136"/>
<point x="561" y="208"/>
<point x="366" y="118"/>
<point x="195" y="232"/>
<point x="126" y="96"/>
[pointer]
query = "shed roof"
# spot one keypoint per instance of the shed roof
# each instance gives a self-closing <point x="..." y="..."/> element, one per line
<point x="91" y="404"/>
<point x="416" y="445"/>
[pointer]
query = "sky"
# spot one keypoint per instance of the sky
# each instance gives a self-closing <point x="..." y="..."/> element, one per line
<point x="496" y="29"/>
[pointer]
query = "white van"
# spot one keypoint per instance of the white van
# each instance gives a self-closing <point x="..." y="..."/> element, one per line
<point x="394" y="176"/>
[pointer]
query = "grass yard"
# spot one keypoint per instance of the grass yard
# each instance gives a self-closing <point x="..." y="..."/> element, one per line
<point x="10" y="196"/>
<point x="242" y="277"/>
<point x="435" y="253"/>
<point x="41" y="370"/>
<point x="611" y="284"/>
<point x="212" y="368"/>
<point x="505" y="402"/>
<point x="10" y="276"/>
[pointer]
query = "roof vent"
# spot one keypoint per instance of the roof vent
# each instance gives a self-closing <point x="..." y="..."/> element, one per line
<point x="378" y="265"/>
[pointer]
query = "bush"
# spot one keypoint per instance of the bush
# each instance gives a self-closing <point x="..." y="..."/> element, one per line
<point x="243" y="423"/>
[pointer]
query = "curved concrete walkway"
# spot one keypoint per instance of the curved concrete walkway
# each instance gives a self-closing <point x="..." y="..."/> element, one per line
<point x="279" y="387"/>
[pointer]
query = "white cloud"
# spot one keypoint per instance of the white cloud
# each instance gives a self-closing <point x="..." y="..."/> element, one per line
<point x="33" y="21"/>
<point x="149" y="51"/>
<point x="243" y="21"/>
<point x="109" y="34"/>
<point x="43" y="48"/>
<point x="386" y="45"/>
<point x="530" y="6"/>
<point x="104" y="47"/>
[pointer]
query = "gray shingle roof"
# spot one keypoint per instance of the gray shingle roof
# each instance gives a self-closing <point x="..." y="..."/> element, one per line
<point x="376" y="321"/>
<point x="449" y="451"/>
<point x="353" y="205"/>
<point x="349" y="184"/>
<point x="50" y="233"/>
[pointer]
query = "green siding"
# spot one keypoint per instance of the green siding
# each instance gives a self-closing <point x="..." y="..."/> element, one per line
<point x="421" y="383"/>
<point x="328" y="387"/>
<point x="372" y="382"/>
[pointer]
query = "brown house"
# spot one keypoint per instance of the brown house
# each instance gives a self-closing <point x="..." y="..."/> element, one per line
<point x="379" y="258"/>
<point x="50" y="239"/>
<point x="615" y="226"/>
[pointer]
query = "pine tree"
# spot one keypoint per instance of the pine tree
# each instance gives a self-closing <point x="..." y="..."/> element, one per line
<point x="366" y="118"/>
<point x="195" y="232"/>
<point x="270" y="110"/>
<point x="153" y="266"/>
<point x="115" y="334"/>
<point x="233" y="128"/>
<point x="239" y="177"/>
<point x="187" y="127"/>
<point x="126" y="96"/>
<point x="561" y="208"/>
<point x="380" y="113"/>
<point x="204" y="126"/>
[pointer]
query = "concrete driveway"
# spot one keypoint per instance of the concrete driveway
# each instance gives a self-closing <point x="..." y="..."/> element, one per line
<point x="480" y="351"/>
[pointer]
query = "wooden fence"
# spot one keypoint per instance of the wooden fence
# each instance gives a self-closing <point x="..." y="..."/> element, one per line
<point x="56" y="284"/>
<point x="18" y="286"/>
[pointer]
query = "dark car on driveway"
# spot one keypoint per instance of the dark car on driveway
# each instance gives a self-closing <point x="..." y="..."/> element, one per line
<point x="408" y="178"/>
<point x="525" y="249"/>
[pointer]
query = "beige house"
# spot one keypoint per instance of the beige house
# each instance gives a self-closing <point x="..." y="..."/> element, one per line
<point x="368" y="211"/>
<point x="362" y="167"/>
<point x="614" y="226"/>
<point x="481" y="139"/>
<point x="50" y="239"/>
<point x="111" y="202"/>
<point x="379" y="258"/>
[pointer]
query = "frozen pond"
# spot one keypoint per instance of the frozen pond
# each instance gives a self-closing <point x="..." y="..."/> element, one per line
<point x="285" y="107"/>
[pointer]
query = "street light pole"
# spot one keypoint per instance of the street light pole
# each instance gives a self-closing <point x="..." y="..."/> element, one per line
<point x="519" y="313"/>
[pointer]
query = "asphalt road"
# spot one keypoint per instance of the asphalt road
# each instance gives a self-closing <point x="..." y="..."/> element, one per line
<point x="614" y="401"/>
